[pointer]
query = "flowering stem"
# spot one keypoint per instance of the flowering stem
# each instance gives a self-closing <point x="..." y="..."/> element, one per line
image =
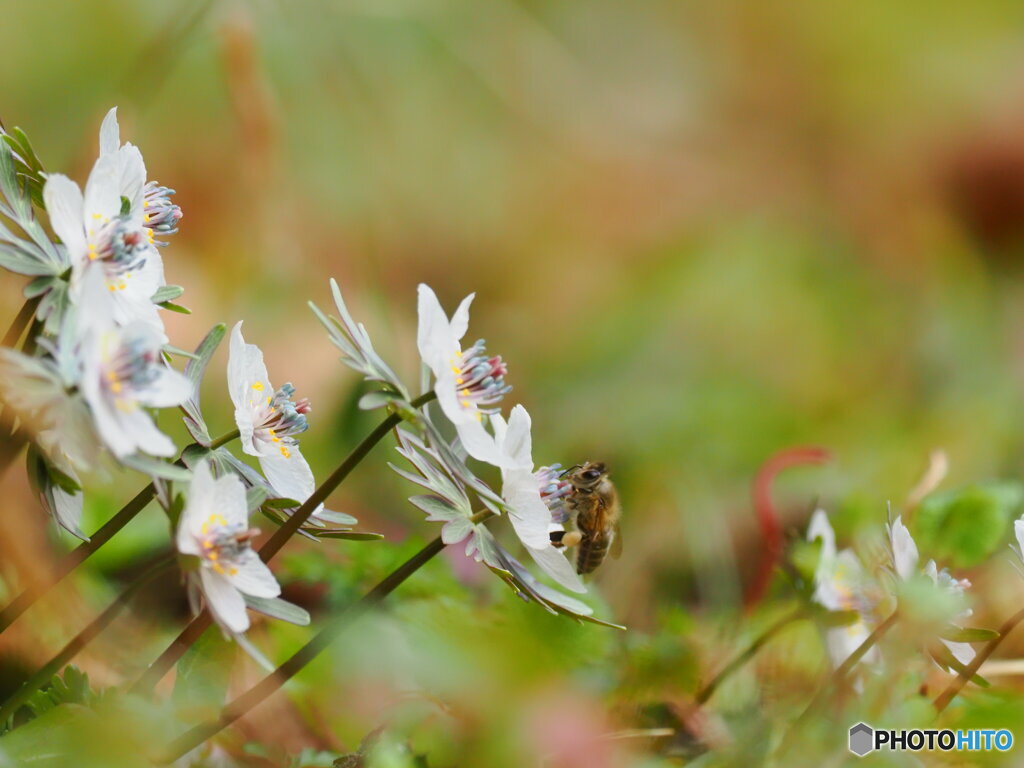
<point x="83" y="551"/>
<point x="268" y="685"/>
<point x="79" y="641"/>
<point x="273" y="545"/>
<point x="943" y="700"/>
<point x="707" y="691"/>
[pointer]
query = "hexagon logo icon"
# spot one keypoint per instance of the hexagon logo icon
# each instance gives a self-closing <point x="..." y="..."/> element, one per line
<point x="862" y="739"/>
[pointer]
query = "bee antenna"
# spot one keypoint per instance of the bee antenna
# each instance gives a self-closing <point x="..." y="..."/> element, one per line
<point x="570" y="469"/>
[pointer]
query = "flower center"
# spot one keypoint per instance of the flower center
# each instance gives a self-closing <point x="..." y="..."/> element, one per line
<point x="119" y="247"/>
<point x="553" y="490"/>
<point x="277" y="419"/>
<point x="479" y="379"/>
<point x="160" y="214"/>
<point x="222" y="544"/>
<point x="132" y="367"/>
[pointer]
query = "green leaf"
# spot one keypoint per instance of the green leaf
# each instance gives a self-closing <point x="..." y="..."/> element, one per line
<point x="276" y="608"/>
<point x="966" y="526"/>
<point x="968" y="634"/>
<point x="336" y="518"/>
<point x="347" y="535"/>
<point x="156" y="468"/>
<point x="172" y="350"/>
<point x="167" y="293"/>
<point x="195" y="369"/>
<point x="176" y="308"/>
<point x="945" y="658"/>
<point x="282" y="503"/>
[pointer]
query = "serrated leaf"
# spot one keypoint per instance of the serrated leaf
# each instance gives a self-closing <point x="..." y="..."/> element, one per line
<point x="436" y="507"/>
<point x="277" y="608"/>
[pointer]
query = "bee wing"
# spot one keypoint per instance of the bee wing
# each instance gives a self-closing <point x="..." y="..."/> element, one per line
<point x="616" y="549"/>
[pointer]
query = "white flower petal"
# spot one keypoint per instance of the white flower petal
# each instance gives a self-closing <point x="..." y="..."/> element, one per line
<point x="65" y="205"/>
<point x="224" y="601"/>
<point x="517" y="444"/>
<point x="434" y="337"/>
<point x="247" y="382"/>
<point x="843" y="641"/>
<point x="479" y="443"/>
<point x="904" y="549"/>
<point x="460" y="320"/>
<point x="558" y="567"/>
<point x="253" y="577"/>
<point x="228" y="499"/>
<point x="147" y="437"/>
<point x="821" y="528"/>
<point x="67" y="507"/>
<point x="530" y="516"/>
<point x="168" y="389"/>
<point x="1018" y="530"/>
<point x="102" y="200"/>
<point x="132" y="178"/>
<point x="110" y="133"/>
<point x="290" y="476"/>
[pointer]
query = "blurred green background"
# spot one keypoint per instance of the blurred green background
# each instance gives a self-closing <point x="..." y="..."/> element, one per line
<point x="699" y="233"/>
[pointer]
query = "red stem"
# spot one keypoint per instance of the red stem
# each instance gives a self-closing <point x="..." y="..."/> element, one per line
<point x="768" y="516"/>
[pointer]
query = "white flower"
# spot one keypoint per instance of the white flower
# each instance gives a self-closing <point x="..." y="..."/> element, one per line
<point x="268" y="420"/>
<point x="123" y="372"/>
<point x="905" y="558"/>
<point x="147" y="199"/>
<point x="533" y="500"/>
<point x="840" y="585"/>
<point x="100" y="231"/>
<point x="214" y="527"/>
<point x="467" y="383"/>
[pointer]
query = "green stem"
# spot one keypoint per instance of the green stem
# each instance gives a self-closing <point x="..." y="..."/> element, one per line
<point x="268" y="685"/>
<point x="191" y="633"/>
<point x="83" y="551"/>
<point x="838" y="675"/>
<point x="705" y="693"/>
<point x="79" y="641"/>
<point x="943" y="700"/>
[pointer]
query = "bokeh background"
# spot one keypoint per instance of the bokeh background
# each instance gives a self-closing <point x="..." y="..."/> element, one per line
<point x="699" y="233"/>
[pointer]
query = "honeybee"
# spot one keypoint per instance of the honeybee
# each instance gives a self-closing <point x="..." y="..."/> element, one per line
<point x="594" y="504"/>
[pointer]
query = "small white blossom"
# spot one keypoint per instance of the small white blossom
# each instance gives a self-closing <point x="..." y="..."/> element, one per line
<point x="840" y="584"/>
<point x="214" y="527"/>
<point x="123" y="373"/>
<point x="468" y="383"/>
<point x="269" y="421"/>
<point x="531" y="499"/>
<point x="100" y="231"/>
<point x="147" y="199"/>
<point x="905" y="558"/>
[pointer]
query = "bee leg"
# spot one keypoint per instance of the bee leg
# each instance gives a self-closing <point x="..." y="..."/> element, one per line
<point x="571" y="538"/>
<point x="556" y="539"/>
